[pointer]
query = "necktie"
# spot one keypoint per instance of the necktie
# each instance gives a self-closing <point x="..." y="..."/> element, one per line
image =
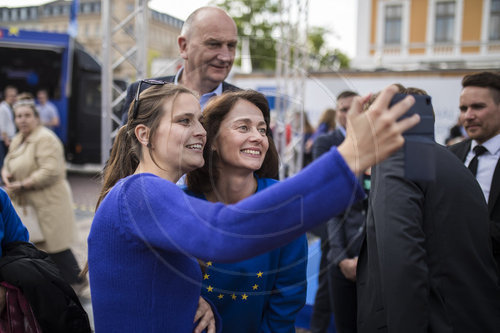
<point x="478" y="151"/>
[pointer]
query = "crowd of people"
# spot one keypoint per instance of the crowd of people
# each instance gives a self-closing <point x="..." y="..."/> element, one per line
<point x="227" y="251"/>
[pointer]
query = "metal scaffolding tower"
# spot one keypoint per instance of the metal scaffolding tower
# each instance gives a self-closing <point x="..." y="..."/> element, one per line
<point x="291" y="74"/>
<point x="136" y="56"/>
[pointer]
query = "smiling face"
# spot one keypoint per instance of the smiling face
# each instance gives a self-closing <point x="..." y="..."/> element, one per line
<point x="208" y="48"/>
<point x="241" y="142"/>
<point x="25" y="119"/>
<point x="480" y="113"/>
<point x="178" y="143"/>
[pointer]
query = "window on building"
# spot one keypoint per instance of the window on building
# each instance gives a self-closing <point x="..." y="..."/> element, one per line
<point x="23" y="14"/>
<point x="97" y="7"/>
<point x="13" y="14"/>
<point x="86" y="8"/>
<point x="445" y="21"/>
<point x="392" y="31"/>
<point x="495" y="20"/>
<point x="56" y="10"/>
<point x="65" y="9"/>
<point x="33" y="13"/>
<point x="5" y="14"/>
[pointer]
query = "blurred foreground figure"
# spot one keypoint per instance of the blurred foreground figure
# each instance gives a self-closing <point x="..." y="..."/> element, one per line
<point x="426" y="263"/>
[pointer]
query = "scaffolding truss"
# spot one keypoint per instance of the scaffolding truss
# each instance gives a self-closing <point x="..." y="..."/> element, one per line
<point x="113" y="56"/>
<point x="291" y="75"/>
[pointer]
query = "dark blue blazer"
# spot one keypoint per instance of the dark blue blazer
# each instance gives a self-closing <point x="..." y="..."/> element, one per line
<point x="426" y="263"/>
<point x="344" y="232"/>
<point x="132" y="91"/>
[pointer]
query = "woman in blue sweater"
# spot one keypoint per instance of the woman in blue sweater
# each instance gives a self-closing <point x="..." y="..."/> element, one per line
<point x="264" y="293"/>
<point x="147" y="234"/>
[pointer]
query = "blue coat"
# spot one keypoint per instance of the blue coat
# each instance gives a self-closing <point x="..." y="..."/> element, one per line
<point x="11" y="227"/>
<point x="261" y="294"/>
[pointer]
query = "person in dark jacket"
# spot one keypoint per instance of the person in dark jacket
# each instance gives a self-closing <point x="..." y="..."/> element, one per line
<point x="336" y="283"/>
<point x="426" y="264"/>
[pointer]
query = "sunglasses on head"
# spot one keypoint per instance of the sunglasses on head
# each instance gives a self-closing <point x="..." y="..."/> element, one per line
<point x="151" y="82"/>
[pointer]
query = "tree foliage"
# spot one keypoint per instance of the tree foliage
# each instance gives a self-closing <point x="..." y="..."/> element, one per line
<point x="323" y="57"/>
<point x="259" y="21"/>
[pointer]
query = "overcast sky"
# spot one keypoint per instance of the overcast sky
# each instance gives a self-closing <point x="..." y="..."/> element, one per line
<point x="337" y="15"/>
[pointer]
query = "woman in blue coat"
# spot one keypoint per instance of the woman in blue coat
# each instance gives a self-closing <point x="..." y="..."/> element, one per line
<point x="263" y="293"/>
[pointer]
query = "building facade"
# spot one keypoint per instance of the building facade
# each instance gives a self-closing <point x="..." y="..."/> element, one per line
<point x="428" y="34"/>
<point x="54" y="17"/>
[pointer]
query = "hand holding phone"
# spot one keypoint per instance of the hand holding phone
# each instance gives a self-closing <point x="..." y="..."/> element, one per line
<point x="419" y="141"/>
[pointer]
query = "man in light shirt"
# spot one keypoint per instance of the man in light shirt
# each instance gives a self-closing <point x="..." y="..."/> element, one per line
<point x="480" y="108"/>
<point x="49" y="116"/>
<point x="7" y="126"/>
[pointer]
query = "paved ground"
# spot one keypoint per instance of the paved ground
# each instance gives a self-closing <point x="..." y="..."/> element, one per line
<point x="85" y="188"/>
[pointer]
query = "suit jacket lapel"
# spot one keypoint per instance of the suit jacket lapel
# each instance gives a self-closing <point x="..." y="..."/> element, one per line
<point x="464" y="150"/>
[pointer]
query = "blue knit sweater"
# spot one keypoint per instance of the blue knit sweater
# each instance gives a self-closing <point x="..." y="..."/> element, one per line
<point x="11" y="227"/>
<point x="261" y="294"/>
<point x="147" y="233"/>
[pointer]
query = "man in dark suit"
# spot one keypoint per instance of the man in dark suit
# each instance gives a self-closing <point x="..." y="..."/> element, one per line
<point x="336" y="287"/>
<point x="426" y="262"/>
<point x="207" y="44"/>
<point x="480" y="110"/>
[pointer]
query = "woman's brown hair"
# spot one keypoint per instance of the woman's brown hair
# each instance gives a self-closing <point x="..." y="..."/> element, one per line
<point x="202" y="180"/>
<point x="126" y="152"/>
<point x="328" y="118"/>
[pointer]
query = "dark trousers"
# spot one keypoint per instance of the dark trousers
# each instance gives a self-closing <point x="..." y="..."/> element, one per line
<point x="343" y="300"/>
<point x="322" y="310"/>
<point x="68" y="266"/>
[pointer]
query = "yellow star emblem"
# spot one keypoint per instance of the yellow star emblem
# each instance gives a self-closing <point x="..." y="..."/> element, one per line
<point x="220" y="296"/>
<point x="255" y="287"/>
<point x="210" y="289"/>
<point x="209" y="263"/>
<point x="233" y="296"/>
<point x="244" y="297"/>
<point x="206" y="276"/>
<point x="13" y="31"/>
<point x="259" y="274"/>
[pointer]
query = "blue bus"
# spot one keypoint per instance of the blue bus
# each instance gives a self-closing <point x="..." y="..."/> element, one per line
<point x="31" y="60"/>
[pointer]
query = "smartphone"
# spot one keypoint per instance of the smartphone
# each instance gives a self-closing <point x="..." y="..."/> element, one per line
<point x="420" y="162"/>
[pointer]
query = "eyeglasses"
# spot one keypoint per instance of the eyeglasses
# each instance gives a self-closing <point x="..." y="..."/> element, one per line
<point x="136" y="100"/>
